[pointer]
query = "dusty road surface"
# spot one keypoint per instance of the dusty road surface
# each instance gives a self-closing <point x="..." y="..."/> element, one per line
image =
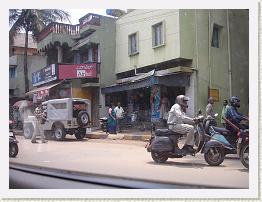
<point x="124" y="158"/>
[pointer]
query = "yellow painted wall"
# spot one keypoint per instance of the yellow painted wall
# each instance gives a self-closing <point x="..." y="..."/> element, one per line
<point x="81" y="93"/>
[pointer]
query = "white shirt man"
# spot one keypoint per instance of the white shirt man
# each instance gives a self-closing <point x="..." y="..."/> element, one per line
<point x="119" y="116"/>
<point x="180" y="123"/>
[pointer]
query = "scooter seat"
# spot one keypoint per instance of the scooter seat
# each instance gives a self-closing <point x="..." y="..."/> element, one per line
<point x="221" y="130"/>
<point x="165" y="132"/>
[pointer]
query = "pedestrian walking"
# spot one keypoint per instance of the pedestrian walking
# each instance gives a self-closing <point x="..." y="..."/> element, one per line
<point x="224" y="112"/>
<point x="111" y="121"/>
<point x="119" y="116"/>
<point x="37" y="124"/>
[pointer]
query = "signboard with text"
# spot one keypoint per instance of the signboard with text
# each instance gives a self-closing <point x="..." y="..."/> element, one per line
<point x="214" y="93"/>
<point x="72" y="71"/>
<point x="44" y="75"/>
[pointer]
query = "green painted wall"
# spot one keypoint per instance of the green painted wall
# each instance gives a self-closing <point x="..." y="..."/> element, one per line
<point x="213" y="63"/>
<point x="140" y="22"/>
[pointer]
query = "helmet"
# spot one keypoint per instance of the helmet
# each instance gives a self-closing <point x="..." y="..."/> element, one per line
<point x="210" y="100"/>
<point x="182" y="100"/>
<point x="235" y="101"/>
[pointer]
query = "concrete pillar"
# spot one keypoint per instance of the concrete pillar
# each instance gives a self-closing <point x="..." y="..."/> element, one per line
<point x="59" y="54"/>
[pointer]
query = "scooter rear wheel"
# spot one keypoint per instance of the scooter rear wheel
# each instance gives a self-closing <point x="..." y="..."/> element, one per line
<point x="244" y="155"/>
<point x="159" y="157"/>
<point x="13" y="150"/>
<point x="215" y="156"/>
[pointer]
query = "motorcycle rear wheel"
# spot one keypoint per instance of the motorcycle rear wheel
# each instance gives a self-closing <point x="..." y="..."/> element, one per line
<point x="159" y="157"/>
<point x="244" y="155"/>
<point x="13" y="150"/>
<point x="215" y="156"/>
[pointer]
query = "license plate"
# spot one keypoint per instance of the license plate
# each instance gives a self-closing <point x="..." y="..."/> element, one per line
<point x="239" y="140"/>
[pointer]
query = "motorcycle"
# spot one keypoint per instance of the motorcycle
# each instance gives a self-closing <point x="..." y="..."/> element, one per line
<point x="103" y="124"/>
<point x="13" y="143"/>
<point x="163" y="144"/>
<point x="242" y="146"/>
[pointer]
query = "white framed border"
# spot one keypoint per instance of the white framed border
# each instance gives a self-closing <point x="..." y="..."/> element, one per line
<point x="250" y="193"/>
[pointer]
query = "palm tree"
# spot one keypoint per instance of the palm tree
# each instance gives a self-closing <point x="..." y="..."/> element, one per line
<point x="32" y="20"/>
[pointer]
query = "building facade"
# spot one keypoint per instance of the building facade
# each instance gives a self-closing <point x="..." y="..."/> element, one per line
<point x="164" y="53"/>
<point x="83" y="59"/>
<point x="16" y="66"/>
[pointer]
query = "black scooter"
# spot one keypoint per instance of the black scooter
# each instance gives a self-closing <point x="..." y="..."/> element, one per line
<point x="163" y="144"/>
<point x="13" y="143"/>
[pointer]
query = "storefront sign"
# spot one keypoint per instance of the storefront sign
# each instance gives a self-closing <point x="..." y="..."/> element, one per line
<point x="44" y="75"/>
<point x="90" y="19"/>
<point x="214" y="93"/>
<point x="155" y="103"/>
<point x="77" y="71"/>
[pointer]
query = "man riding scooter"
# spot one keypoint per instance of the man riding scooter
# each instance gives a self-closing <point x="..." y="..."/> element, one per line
<point x="180" y="123"/>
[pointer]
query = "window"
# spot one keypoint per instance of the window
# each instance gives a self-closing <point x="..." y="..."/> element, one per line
<point x="12" y="72"/>
<point x="59" y="105"/>
<point x="158" y="34"/>
<point x="216" y="35"/>
<point x="132" y="44"/>
<point x="90" y="55"/>
<point x="87" y="56"/>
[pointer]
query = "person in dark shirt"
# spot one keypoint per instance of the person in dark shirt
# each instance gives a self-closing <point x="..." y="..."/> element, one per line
<point x="233" y="115"/>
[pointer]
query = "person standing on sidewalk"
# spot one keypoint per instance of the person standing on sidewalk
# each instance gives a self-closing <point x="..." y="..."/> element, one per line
<point x="111" y="121"/>
<point x="119" y="116"/>
<point x="37" y="124"/>
<point x="224" y="112"/>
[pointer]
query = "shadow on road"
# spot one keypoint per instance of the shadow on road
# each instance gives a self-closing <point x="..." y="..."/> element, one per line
<point x="183" y="164"/>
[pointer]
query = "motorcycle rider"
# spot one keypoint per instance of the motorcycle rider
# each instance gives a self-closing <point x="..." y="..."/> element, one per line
<point x="233" y="115"/>
<point x="180" y="123"/>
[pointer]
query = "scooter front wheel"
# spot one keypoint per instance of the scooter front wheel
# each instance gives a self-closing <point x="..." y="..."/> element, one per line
<point x="13" y="150"/>
<point x="159" y="157"/>
<point x="215" y="156"/>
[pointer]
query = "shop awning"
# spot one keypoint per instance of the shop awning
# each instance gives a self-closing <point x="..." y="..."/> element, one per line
<point x="43" y="89"/>
<point x="182" y="79"/>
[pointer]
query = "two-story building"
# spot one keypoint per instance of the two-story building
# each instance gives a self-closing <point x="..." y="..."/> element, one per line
<point x="80" y="60"/>
<point x="164" y="53"/>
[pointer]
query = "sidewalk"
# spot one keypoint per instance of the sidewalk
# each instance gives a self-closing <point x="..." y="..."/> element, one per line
<point x="125" y="135"/>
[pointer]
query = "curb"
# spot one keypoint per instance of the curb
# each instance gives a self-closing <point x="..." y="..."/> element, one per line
<point x="98" y="135"/>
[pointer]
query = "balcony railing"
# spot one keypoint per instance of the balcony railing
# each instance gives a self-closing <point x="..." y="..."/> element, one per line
<point x="58" y="28"/>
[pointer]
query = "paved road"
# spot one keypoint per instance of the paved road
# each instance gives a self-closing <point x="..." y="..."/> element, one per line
<point x="129" y="159"/>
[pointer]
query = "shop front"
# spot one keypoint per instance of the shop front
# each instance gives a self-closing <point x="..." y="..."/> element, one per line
<point x="65" y="81"/>
<point x="152" y="96"/>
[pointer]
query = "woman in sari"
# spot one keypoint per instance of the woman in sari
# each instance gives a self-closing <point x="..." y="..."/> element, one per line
<point x="111" y="121"/>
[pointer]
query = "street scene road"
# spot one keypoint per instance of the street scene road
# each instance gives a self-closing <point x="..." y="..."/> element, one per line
<point x="129" y="158"/>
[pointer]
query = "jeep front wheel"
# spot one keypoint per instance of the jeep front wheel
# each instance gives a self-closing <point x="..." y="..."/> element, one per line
<point x="80" y="133"/>
<point x="82" y="118"/>
<point x="59" y="132"/>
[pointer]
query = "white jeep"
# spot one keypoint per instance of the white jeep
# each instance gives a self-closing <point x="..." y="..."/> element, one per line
<point x="63" y="116"/>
